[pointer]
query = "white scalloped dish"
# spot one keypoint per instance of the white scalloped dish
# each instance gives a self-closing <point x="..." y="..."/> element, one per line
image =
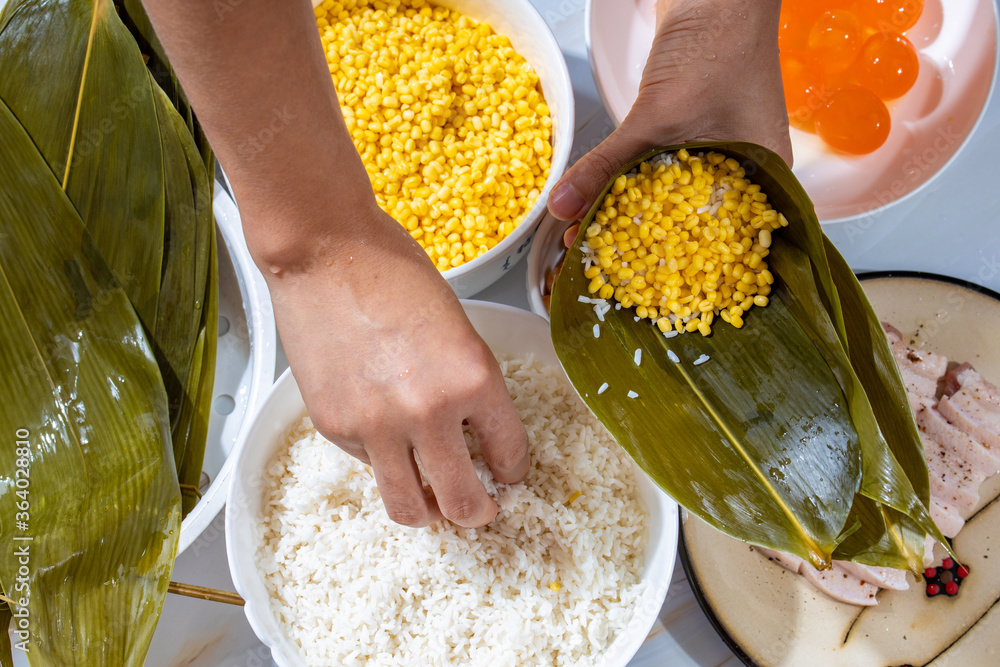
<point x="957" y="45"/>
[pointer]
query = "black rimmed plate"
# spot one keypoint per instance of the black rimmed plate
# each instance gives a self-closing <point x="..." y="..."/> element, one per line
<point x="772" y="618"/>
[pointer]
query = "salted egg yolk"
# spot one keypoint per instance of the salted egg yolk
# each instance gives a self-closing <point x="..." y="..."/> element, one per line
<point x="835" y="40"/>
<point x="887" y="65"/>
<point x="854" y="121"/>
<point x="804" y="89"/>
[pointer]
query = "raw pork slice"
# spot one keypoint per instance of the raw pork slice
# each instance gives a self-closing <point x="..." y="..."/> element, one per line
<point x="841" y="585"/>
<point x="883" y="577"/>
<point x="946" y="518"/>
<point x="835" y="582"/>
<point x="979" y="400"/>
<point x="921" y="370"/>
<point x="957" y="443"/>
<point x="953" y="473"/>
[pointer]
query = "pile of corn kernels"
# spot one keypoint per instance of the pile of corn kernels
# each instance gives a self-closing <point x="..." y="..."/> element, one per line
<point x="449" y="120"/>
<point x="683" y="239"/>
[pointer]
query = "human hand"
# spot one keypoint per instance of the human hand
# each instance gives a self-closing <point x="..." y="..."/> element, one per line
<point x="713" y="73"/>
<point x="390" y="367"/>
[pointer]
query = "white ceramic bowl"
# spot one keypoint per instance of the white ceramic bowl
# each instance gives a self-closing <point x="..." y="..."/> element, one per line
<point x="545" y="254"/>
<point x="931" y="124"/>
<point x="505" y="330"/>
<point x="531" y="37"/>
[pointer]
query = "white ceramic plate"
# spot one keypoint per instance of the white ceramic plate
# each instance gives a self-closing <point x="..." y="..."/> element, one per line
<point x="506" y="330"/>
<point x="244" y="368"/>
<point x="770" y="617"/>
<point x="957" y="41"/>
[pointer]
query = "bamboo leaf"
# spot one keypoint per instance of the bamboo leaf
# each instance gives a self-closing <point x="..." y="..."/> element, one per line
<point x="737" y="440"/>
<point x="90" y="403"/>
<point x="201" y="388"/>
<point x="187" y="318"/>
<point x="819" y="477"/>
<point x="136" y="20"/>
<point x="94" y="121"/>
<point x="6" y="655"/>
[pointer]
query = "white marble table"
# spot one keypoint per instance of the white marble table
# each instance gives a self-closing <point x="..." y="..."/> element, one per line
<point x="951" y="228"/>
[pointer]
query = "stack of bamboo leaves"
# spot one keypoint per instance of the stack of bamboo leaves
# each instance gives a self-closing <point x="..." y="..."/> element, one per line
<point x="108" y="327"/>
<point x="797" y="434"/>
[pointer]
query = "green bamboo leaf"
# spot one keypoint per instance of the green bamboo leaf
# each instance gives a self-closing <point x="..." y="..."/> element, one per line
<point x="178" y="315"/>
<point x="884" y="480"/>
<point x="74" y="78"/>
<point x="6" y="655"/>
<point x="842" y="489"/>
<point x="187" y="318"/>
<point x="758" y="441"/>
<point x="201" y="389"/>
<point x="104" y="508"/>
<point x="137" y="21"/>
<point x="895" y="472"/>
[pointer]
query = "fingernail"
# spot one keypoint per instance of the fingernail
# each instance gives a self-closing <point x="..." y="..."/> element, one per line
<point x="566" y="202"/>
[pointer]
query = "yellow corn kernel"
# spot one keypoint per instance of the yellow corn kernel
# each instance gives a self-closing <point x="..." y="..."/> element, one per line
<point x="592" y="272"/>
<point x="606" y="291"/>
<point x="704" y="328"/>
<point x="555" y="586"/>
<point x="572" y="498"/>
<point x="595" y="284"/>
<point x="666" y="257"/>
<point x="760" y="300"/>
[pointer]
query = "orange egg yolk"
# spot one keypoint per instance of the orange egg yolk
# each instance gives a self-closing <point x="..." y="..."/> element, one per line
<point x="888" y="65"/>
<point x="835" y="40"/>
<point x="853" y="121"/>
<point x="804" y="89"/>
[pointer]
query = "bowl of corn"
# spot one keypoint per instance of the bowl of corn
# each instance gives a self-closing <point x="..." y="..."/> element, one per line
<point x="462" y="112"/>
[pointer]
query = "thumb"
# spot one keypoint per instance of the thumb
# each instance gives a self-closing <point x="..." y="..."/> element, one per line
<point x="577" y="190"/>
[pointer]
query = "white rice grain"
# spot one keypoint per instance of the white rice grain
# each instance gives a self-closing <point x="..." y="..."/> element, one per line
<point x="352" y="588"/>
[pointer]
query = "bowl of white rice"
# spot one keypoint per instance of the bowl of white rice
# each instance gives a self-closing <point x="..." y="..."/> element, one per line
<point x="573" y="570"/>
